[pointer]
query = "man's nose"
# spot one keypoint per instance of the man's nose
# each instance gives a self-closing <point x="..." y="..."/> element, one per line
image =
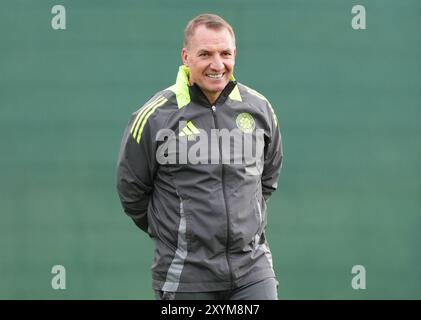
<point x="217" y="63"/>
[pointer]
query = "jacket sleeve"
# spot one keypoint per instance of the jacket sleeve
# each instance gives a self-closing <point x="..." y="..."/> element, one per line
<point x="136" y="168"/>
<point x="273" y="155"/>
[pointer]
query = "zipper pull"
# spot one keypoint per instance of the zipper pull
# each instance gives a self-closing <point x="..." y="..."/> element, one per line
<point x="213" y="108"/>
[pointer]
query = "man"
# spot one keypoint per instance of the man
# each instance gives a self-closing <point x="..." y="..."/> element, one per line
<point x="197" y="164"/>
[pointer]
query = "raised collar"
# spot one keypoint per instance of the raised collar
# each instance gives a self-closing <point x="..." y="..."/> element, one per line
<point x="186" y="93"/>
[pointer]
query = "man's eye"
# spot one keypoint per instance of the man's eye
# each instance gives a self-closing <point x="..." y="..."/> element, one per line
<point x="227" y="53"/>
<point x="203" y="54"/>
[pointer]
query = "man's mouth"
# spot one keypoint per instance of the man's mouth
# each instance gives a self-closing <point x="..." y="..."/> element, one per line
<point x="215" y="75"/>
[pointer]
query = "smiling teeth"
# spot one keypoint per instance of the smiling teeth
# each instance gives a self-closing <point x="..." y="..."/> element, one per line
<point x="215" y="76"/>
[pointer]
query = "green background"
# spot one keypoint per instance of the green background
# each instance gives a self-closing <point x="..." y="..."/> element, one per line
<point x="349" y="105"/>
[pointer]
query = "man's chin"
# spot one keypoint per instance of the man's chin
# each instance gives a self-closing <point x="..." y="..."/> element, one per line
<point x="216" y="88"/>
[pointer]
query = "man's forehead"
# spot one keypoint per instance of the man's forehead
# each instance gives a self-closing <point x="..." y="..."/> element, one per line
<point x="204" y="37"/>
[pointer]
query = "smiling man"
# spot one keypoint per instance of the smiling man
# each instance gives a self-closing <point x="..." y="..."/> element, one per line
<point x="209" y="53"/>
<point x="207" y="217"/>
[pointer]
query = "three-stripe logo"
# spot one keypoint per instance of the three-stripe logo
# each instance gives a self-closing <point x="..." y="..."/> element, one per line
<point x="143" y="115"/>
<point x="190" y="131"/>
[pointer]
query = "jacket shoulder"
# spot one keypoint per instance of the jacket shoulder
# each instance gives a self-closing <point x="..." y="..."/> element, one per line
<point x="251" y="94"/>
<point x="156" y="111"/>
<point x="164" y="99"/>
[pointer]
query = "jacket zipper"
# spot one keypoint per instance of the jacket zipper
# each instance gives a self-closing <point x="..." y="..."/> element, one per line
<point x="225" y="197"/>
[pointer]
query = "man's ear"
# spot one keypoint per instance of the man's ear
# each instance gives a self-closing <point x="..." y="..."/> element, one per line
<point x="184" y="56"/>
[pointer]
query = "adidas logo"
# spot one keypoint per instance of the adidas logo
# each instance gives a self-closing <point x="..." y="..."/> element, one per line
<point x="190" y="131"/>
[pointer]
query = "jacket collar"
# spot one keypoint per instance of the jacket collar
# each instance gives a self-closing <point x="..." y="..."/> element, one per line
<point x="186" y="93"/>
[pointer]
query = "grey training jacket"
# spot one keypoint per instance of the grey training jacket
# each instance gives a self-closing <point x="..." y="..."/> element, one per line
<point x="196" y="178"/>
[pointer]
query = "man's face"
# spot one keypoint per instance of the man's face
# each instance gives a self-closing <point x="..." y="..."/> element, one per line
<point x="210" y="56"/>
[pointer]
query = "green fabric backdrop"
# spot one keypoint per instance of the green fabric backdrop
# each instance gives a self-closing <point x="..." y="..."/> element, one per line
<point x="349" y="107"/>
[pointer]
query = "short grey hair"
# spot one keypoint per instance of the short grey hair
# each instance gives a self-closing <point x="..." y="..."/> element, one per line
<point x="211" y="21"/>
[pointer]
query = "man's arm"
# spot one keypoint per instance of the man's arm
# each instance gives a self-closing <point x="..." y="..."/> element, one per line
<point x="273" y="158"/>
<point x="135" y="171"/>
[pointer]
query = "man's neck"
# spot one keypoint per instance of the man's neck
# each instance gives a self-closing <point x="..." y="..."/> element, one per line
<point x="210" y="97"/>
